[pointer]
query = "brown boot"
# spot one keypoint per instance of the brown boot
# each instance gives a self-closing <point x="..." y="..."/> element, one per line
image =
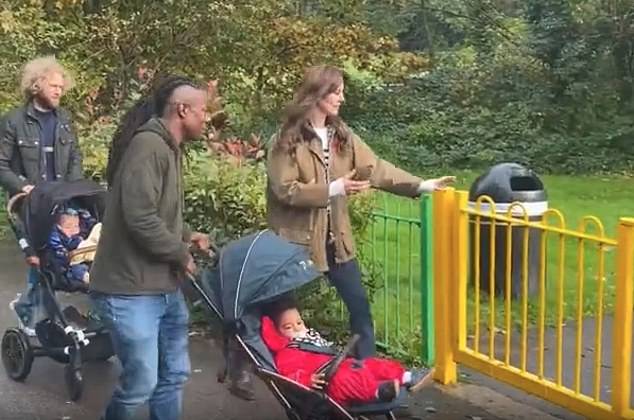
<point x="242" y="386"/>
<point x="240" y="376"/>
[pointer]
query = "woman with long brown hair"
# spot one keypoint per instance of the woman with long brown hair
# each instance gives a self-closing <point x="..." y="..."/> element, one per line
<point x="314" y="163"/>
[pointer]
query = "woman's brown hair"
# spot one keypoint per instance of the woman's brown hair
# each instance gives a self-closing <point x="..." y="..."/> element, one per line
<point x="318" y="82"/>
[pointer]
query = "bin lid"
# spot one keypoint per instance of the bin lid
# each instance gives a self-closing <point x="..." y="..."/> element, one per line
<point x="508" y="183"/>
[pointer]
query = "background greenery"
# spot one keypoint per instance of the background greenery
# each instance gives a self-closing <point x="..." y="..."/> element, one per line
<point x="455" y="83"/>
<point x="433" y="85"/>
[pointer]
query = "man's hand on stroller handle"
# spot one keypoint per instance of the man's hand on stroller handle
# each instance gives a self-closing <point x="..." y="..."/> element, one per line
<point x="33" y="261"/>
<point x="27" y="189"/>
<point x="197" y="242"/>
<point x="200" y="241"/>
<point x="190" y="265"/>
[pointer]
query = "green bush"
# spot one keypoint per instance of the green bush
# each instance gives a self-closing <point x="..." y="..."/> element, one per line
<point x="465" y="115"/>
<point x="95" y="141"/>
<point x="223" y="199"/>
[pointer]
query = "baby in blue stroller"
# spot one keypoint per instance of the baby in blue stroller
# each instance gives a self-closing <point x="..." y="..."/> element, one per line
<point x="48" y="224"/>
<point x="75" y="229"/>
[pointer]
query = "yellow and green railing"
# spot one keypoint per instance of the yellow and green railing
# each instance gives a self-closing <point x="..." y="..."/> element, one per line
<point x="399" y="250"/>
<point x="569" y="343"/>
<point x="566" y="363"/>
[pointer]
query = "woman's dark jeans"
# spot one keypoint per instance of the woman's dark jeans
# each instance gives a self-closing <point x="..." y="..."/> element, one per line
<point x="346" y="277"/>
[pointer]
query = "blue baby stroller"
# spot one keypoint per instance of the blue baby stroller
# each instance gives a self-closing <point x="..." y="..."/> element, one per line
<point x="65" y="335"/>
<point x="257" y="270"/>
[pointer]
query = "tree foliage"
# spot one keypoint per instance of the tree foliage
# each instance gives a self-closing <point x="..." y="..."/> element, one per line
<point x="434" y="82"/>
<point x="256" y="49"/>
<point x="548" y="83"/>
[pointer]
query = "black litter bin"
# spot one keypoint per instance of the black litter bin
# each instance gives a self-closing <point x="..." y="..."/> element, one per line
<point x="507" y="183"/>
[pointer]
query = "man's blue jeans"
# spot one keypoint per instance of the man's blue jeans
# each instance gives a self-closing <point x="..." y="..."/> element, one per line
<point x="29" y="305"/>
<point x="149" y="335"/>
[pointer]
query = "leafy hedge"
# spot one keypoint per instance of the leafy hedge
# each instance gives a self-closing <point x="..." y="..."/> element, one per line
<point x="458" y="116"/>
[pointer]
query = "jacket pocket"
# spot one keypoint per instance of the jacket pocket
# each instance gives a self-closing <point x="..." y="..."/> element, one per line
<point x="298" y="236"/>
<point x="66" y="135"/>
<point x="29" y="151"/>
<point x="103" y="308"/>
<point x="64" y="146"/>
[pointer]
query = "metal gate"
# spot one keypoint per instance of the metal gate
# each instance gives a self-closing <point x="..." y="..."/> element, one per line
<point x="526" y="342"/>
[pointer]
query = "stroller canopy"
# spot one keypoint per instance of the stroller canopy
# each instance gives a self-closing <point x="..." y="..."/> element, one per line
<point x="37" y="212"/>
<point x="254" y="269"/>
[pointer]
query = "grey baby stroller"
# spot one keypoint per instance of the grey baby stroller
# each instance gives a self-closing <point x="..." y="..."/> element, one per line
<point x="64" y="335"/>
<point x="256" y="270"/>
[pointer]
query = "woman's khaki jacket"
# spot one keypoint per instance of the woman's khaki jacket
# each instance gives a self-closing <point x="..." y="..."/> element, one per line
<point x="297" y="190"/>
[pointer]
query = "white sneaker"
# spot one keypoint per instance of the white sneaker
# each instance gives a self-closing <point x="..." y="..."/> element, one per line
<point x="30" y="332"/>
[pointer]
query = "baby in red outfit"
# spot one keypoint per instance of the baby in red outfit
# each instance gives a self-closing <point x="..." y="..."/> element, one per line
<point x="300" y="352"/>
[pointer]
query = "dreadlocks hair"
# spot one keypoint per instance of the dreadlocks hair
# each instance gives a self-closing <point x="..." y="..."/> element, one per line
<point x="147" y="107"/>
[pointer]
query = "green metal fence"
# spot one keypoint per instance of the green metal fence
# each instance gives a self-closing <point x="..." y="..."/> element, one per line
<point x="399" y="248"/>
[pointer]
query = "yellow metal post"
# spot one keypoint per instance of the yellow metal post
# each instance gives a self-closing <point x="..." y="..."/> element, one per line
<point x="460" y="226"/>
<point x="444" y="277"/>
<point x="622" y="347"/>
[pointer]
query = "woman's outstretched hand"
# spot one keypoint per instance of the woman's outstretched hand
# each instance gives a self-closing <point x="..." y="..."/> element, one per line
<point x="436" y="184"/>
<point x="444" y="182"/>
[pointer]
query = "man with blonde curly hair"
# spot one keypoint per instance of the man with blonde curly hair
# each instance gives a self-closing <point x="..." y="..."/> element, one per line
<point x="37" y="144"/>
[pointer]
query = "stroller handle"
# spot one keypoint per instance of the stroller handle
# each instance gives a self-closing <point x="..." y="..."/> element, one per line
<point x="13" y="202"/>
<point x="195" y="283"/>
<point x="212" y="253"/>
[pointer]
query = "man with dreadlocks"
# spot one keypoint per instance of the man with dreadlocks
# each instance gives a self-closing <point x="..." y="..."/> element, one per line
<point x="144" y="250"/>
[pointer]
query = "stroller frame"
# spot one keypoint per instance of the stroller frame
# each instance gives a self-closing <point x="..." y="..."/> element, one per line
<point x="319" y="404"/>
<point x="58" y="339"/>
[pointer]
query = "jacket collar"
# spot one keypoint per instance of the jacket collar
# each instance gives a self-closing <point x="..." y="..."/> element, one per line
<point x="156" y="125"/>
<point x="314" y="142"/>
<point x="32" y="113"/>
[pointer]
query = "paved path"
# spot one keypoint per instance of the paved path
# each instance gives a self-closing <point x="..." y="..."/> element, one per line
<point x="43" y="395"/>
<point x="587" y="361"/>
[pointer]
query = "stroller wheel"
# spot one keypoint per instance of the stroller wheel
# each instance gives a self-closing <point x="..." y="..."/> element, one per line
<point x="74" y="382"/>
<point x="17" y="356"/>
